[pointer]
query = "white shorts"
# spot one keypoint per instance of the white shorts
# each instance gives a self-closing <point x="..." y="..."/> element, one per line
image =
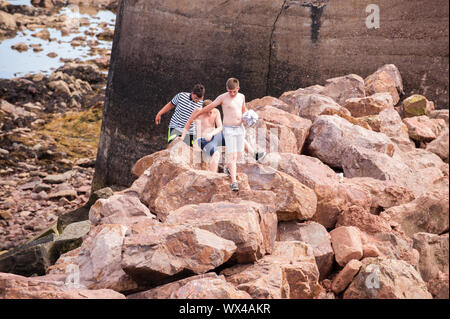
<point x="234" y="139"/>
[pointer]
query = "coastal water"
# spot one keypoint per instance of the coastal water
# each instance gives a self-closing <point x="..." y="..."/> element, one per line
<point x="15" y="64"/>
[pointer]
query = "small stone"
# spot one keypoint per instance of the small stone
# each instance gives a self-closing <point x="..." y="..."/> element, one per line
<point x="5" y="214"/>
<point x="21" y="46"/>
<point x="69" y="193"/>
<point x="343" y="279"/>
<point x="8" y="203"/>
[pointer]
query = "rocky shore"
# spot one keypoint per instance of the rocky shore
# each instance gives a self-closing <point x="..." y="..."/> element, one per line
<point x="49" y="126"/>
<point x="351" y="201"/>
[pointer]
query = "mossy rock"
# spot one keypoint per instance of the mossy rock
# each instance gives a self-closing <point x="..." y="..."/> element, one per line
<point x="70" y="239"/>
<point x="416" y="105"/>
<point x="82" y="213"/>
<point x="76" y="133"/>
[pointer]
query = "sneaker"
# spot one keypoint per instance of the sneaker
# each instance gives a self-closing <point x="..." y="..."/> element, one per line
<point x="234" y="187"/>
<point x="259" y="156"/>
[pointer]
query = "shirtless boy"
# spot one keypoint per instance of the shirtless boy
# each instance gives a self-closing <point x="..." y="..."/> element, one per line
<point x="209" y="133"/>
<point x="233" y="106"/>
<point x="210" y="138"/>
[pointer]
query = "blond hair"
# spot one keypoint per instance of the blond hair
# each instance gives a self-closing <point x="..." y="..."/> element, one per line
<point x="206" y="102"/>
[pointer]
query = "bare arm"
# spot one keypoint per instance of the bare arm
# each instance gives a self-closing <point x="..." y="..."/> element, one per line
<point x="169" y="106"/>
<point x="209" y="107"/>
<point x="192" y="118"/>
<point x="218" y="122"/>
<point x="244" y="107"/>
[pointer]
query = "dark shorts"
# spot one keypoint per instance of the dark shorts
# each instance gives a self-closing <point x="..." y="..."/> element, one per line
<point x="174" y="133"/>
<point x="212" y="146"/>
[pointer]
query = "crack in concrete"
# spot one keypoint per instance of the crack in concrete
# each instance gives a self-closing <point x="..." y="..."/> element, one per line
<point x="271" y="45"/>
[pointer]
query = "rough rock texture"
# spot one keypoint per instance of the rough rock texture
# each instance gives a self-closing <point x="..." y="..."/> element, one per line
<point x="345" y="276"/>
<point x="416" y="173"/>
<point x="162" y="170"/>
<point x="48" y="287"/>
<point x="99" y="259"/>
<point x="152" y="253"/>
<point x="440" y="114"/>
<point x="380" y="82"/>
<point x="382" y="278"/>
<point x="330" y="136"/>
<point x="438" y="287"/>
<point x="119" y="209"/>
<point x="423" y="129"/>
<point x="342" y="88"/>
<point x="251" y="226"/>
<point x="29" y="259"/>
<point x="433" y="250"/>
<point x="311" y="106"/>
<point x="332" y="196"/>
<point x="384" y="194"/>
<point x="428" y="213"/>
<point x="391" y="124"/>
<point x="416" y="105"/>
<point x="313" y="234"/>
<point x="294" y="201"/>
<point x="206" y="286"/>
<point x="440" y="146"/>
<point x="298" y="125"/>
<point x="275" y="39"/>
<point x="267" y="101"/>
<point x="369" y="105"/>
<point x="347" y="245"/>
<point x="194" y="187"/>
<point x="290" y="272"/>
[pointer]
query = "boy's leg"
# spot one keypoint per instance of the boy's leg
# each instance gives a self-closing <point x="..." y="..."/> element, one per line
<point x="232" y="159"/>
<point x="214" y="162"/>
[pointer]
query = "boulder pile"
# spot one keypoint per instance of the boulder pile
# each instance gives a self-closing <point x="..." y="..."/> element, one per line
<point x="352" y="201"/>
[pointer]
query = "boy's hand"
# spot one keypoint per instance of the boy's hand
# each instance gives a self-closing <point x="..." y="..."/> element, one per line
<point x="158" y="119"/>
<point x="208" y="137"/>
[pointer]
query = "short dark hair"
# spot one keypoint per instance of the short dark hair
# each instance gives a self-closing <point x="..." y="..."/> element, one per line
<point x="199" y="90"/>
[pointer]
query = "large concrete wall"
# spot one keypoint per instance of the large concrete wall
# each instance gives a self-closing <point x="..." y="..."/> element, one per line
<point x="162" y="47"/>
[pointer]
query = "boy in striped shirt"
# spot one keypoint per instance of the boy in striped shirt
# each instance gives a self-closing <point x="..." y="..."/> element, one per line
<point x="184" y="104"/>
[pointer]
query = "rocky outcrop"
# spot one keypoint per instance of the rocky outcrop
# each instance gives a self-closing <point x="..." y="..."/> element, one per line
<point x="428" y="213"/>
<point x="152" y="254"/>
<point x="370" y="105"/>
<point x="119" y="209"/>
<point x="295" y="201"/>
<point x="290" y="272"/>
<point x="416" y="105"/>
<point x="347" y="245"/>
<point x="251" y="226"/>
<point x="330" y="136"/>
<point x="288" y="36"/>
<point x="381" y="278"/>
<point x="48" y="287"/>
<point x="313" y="234"/>
<point x="332" y="195"/>
<point x="207" y="286"/>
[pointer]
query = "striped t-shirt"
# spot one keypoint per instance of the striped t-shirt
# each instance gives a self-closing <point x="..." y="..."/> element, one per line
<point x="183" y="110"/>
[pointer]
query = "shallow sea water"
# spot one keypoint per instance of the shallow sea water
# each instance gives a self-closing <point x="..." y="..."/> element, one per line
<point x="16" y="64"/>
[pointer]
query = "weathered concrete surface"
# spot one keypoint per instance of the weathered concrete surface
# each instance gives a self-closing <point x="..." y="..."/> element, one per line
<point x="272" y="46"/>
